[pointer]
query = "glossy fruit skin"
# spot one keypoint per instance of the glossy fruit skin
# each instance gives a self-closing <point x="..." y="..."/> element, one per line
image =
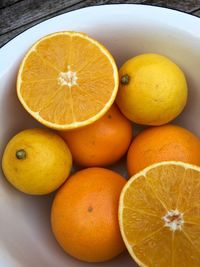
<point x="101" y="143"/>
<point x="46" y="163"/>
<point x="163" y="143"/>
<point x="152" y="91"/>
<point x="84" y="215"/>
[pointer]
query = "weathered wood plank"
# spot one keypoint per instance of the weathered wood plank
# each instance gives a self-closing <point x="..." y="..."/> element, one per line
<point x="28" y="11"/>
<point x="196" y="12"/>
<point x="6" y="3"/>
<point x="10" y="35"/>
<point x="4" y="38"/>
<point x="184" y="5"/>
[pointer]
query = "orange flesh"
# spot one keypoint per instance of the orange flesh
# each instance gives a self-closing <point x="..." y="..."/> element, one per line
<point x="144" y="206"/>
<point x="66" y="78"/>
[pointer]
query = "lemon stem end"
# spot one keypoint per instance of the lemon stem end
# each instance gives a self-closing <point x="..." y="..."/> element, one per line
<point x="21" y="154"/>
<point x="125" y="79"/>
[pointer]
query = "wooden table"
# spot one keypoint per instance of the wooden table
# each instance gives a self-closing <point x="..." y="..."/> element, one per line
<point x="19" y="15"/>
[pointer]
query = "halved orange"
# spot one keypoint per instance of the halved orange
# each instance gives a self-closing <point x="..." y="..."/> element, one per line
<point x="159" y="215"/>
<point x="67" y="80"/>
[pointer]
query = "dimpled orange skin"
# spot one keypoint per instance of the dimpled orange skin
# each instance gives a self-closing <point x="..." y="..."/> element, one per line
<point x="163" y="143"/>
<point x="84" y="215"/>
<point x="101" y="143"/>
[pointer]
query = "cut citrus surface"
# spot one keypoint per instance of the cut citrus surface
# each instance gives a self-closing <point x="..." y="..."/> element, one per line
<point x="159" y="215"/>
<point x="67" y="80"/>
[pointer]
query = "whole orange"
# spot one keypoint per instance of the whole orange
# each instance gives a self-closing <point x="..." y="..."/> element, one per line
<point x="163" y="143"/>
<point x="101" y="143"/>
<point x="84" y="215"/>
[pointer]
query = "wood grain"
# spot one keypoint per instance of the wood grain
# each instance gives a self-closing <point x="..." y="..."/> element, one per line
<point x="196" y="13"/>
<point x="13" y="22"/>
<point x="7" y="3"/>
<point x="24" y="12"/>
<point x="19" y="15"/>
<point x="186" y="5"/>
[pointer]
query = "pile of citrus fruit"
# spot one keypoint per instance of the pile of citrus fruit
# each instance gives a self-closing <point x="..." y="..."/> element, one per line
<point x="70" y="83"/>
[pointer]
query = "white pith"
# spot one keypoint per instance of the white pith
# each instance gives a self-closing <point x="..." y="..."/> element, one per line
<point x="174" y="220"/>
<point x="68" y="78"/>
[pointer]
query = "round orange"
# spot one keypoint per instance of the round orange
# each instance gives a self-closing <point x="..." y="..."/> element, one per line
<point x="84" y="215"/>
<point x="101" y="143"/>
<point x="67" y="80"/>
<point x="163" y="143"/>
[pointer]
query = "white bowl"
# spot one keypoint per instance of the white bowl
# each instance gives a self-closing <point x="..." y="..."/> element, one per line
<point x="126" y="30"/>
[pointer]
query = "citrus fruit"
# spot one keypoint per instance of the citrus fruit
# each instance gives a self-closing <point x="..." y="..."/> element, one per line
<point x="101" y="143"/>
<point x="163" y="143"/>
<point x="84" y="215"/>
<point x="159" y="215"/>
<point x="67" y="80"/>
<point x="36" y="161"/>
<point x="152" y="91"/>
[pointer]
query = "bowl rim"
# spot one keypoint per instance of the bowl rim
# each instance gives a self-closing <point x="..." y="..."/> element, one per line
<point x="166" y="16"/>
<point x="184" y="21"/>
<point x="107" y="6"/>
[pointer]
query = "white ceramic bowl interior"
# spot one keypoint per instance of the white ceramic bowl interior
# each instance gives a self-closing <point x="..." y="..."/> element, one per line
<point x="126" y="30"/>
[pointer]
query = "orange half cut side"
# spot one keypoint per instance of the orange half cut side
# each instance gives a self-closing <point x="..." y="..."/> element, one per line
<point x="67" y="80"/>
<point x="159" y="215"/>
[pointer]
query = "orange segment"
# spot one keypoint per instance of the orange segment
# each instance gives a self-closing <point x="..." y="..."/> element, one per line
<point x="192" y="232"/>
<point x="84" y="106"/>
<point x="36" y="69"/>
<point x="61" y="105"/>
<point x="156" y="250"/>
<point x="67" y="80"/>
<point x="80" y="51"/>
<point x="144" y="226"/>
<point x="184" y="253"/>
<point x="159" y="215"/>
<point x="39" y="93"/>
<point x="48" y="50"/>
<point x="190" y="191"/>
<point x="192" y="215"/>
<point x="167" y="192"/>
<point x="141" y="198"/>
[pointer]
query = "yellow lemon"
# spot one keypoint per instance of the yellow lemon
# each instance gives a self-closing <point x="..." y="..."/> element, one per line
<point x="36" y="161"/>
<point x="153" y="89"/>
